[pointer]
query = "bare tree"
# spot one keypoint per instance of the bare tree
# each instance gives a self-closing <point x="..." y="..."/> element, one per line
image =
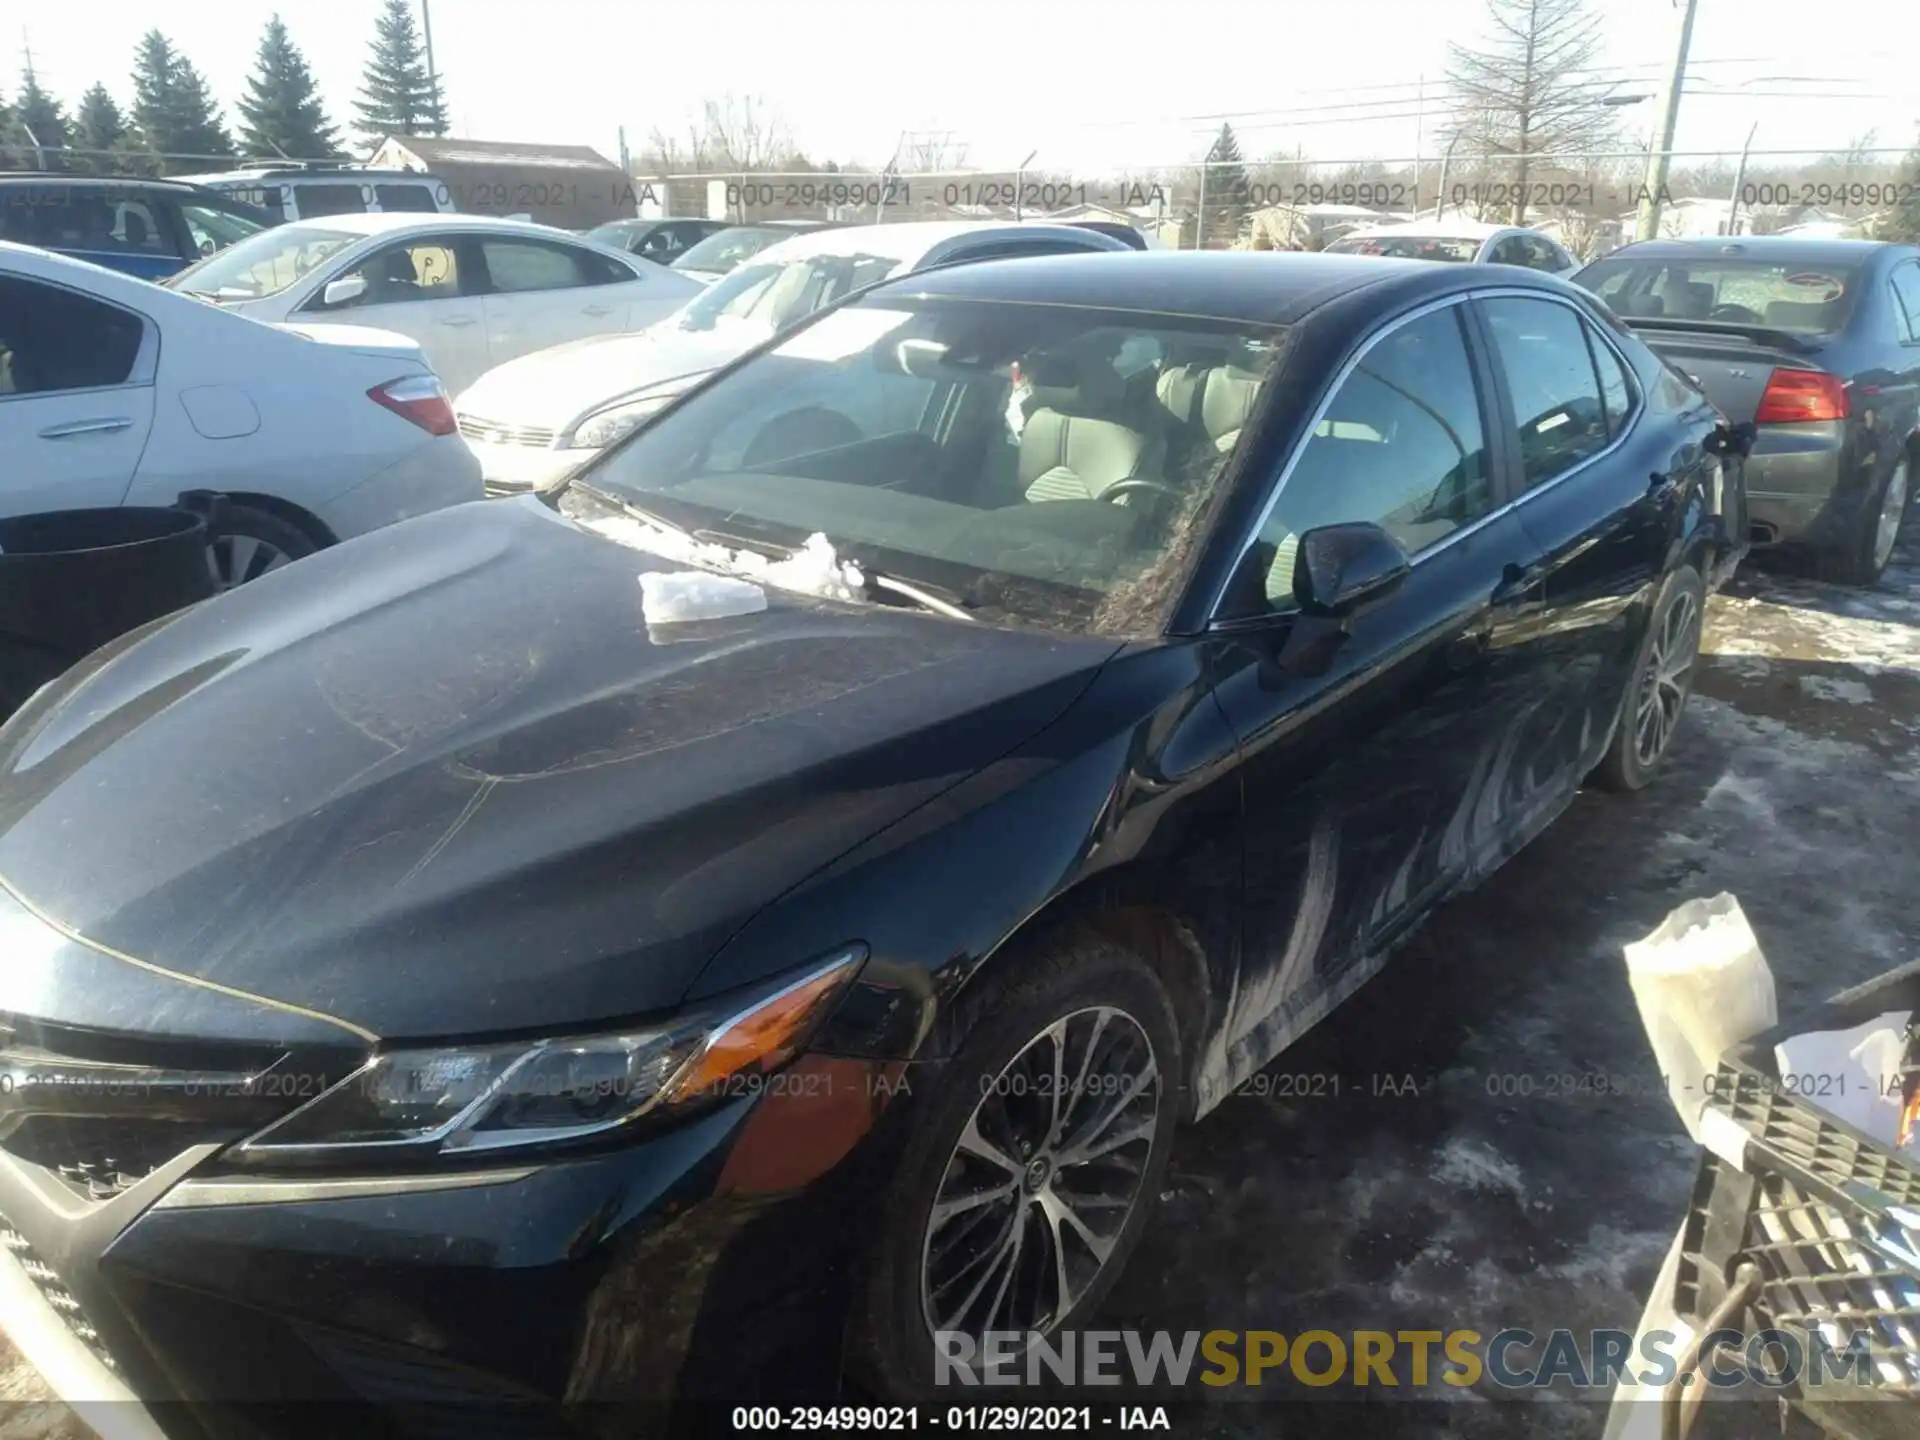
<point x="1530" y="88"/>
<point x="744" y="133"/>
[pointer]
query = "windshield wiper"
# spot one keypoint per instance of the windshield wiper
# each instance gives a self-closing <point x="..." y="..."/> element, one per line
<point x="926" y="600"/>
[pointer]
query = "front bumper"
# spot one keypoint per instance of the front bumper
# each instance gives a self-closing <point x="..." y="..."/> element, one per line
<point x="704" y="1263"/>
<point x="511" y="469"/>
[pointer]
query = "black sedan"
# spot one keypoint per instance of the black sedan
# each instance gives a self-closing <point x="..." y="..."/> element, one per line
<point x="772" y="906"/>
<point x="1818" y="342"/>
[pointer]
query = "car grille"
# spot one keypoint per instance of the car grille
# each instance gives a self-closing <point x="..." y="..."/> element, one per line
<point x="1833" y="1227"/>
<point x="54" y="1290"/>
<point x="472" y="427"/>
<point x="101" y="1157"/>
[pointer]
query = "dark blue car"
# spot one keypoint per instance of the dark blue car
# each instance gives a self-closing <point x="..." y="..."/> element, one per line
<point x="150" y="228"/>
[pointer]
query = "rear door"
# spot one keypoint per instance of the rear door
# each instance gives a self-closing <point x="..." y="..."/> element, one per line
<point x="541" y="293"/>
<point x="1609" y="452"/>
<point x="423" y="287"/>
<point x="76" y="397"/>
<point x="1363" y="780"/>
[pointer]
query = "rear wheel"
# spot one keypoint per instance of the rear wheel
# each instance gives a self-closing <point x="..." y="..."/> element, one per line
<point x="1862" y="558"/>
<point x="1660" y="683"/>
<point x="244" y="543"/>
<point x="1032" y="1166"/>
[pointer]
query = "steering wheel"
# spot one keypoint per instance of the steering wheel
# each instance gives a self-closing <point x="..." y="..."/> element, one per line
<point x="1120" y="489"/>
<point x="1738" y="313"/>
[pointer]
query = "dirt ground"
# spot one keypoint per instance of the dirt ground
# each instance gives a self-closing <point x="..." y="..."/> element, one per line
<point x="1795" y="786"/>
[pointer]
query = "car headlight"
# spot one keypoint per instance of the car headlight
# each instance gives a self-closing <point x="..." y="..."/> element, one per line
<point x="603" y="427"/>
<point x="471" y="1099"/>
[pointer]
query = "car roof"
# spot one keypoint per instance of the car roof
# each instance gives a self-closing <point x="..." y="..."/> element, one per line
<point x="300" y="172"/>
<point x="1257" y="287"/>
<point x="1451" y="229"/>
<point x="392" y="221"/>
<point x="907" y="241"/>
<point x="1778" y="249"/>
<point x="118" y="182"/>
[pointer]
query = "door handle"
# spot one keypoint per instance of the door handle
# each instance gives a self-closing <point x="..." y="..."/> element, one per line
<point x="86" y="427"/>
<point x="458" y="322"/>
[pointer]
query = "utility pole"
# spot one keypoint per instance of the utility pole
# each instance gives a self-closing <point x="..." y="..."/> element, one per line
<point x="426" y="32"/>
<point x="1739" y="182"/>
<point x="1019" y="182"/>
<point x="1660" y="154"/>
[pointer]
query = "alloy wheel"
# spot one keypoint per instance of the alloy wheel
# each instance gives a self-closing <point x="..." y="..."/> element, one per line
<point x="1893" y="510"/>
<point x="236" y="559"/>
<point x="1667" y="678"/>
<point x="1042" y="1180"/>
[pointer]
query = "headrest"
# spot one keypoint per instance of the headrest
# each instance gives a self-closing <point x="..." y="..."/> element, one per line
<point x="1090" y="391"/>
<point x="1228" y="402"/>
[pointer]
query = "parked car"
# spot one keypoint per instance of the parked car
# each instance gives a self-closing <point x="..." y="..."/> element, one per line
<point x="535" y="419"/>
<point x="117" y="392"/>
<point x="313" y="192"/>
<point x="1818" y="343"/>
<point x="474" y="292"/>
<point x="1128" y="235"/>
<point x="835" y="963"/>
<point x="149" y="228"/>
<point x="661" y="241"/>
<point x="726" y="250"/>
<point x="1459" y="242"/>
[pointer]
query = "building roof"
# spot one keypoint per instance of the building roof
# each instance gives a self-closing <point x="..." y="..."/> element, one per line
<point x="437" y="151"/>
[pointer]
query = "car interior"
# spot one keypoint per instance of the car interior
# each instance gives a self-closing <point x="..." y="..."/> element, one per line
<point x="1811" y="302"/>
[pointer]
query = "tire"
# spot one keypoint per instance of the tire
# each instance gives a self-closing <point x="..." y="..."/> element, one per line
<point x="1112" y="1007"/>
<point x="252" y="542"/>
<point x="1861" y="558"/>
<point x="1663" y="669"/>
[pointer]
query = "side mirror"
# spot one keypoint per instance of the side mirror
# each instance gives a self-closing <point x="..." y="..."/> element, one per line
<point x="1341" y="570"/>
<point x="344" y="291"/>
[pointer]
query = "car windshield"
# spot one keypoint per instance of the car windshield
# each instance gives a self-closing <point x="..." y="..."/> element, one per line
<point x="616" y="232"/>
<point x="1018" y="458"/>
<point x="774" y="296"/>
<point x="263" y="264"/>
<point x="1799" y="298"/>
<point x="1448" y="248"/>
<point x="721" y="252"/>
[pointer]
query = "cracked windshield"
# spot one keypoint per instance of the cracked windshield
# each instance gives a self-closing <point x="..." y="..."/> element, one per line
<point x="713" y="739"/>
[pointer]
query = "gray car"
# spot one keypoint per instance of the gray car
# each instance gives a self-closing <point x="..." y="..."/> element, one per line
<point x="1818" y="343"/>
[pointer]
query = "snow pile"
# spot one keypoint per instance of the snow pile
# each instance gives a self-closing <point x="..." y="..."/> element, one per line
<point x="687" y="595"/>
<point x="814" y="569"/>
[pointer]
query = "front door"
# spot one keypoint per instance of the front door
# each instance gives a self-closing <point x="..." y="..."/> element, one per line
<point x="421" y="287"/>
<point x="1366" y="753"/>
<point x="76" y="398"/>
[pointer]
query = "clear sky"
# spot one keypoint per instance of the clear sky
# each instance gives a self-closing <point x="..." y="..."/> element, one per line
<point x="1126" y="84"/>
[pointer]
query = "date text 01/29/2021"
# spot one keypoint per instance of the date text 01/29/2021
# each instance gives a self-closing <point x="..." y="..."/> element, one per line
<point x="902" y="1419"/>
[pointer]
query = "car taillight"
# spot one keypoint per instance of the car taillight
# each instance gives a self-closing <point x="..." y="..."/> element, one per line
<point x="1797" y="395"/>
<point x="420" y="399"/>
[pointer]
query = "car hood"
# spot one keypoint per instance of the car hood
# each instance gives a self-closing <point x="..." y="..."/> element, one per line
<point x="443" y="780"/>
<point x="552" y="388"/>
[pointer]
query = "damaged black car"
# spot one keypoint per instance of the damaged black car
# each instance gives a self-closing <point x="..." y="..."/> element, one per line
<point x="719" y="930"/>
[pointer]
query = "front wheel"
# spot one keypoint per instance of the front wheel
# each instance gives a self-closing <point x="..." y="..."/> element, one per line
<point x="1661" y="680"/>
<point x="1032" y="1167"/>
<point x="244" y="543"/>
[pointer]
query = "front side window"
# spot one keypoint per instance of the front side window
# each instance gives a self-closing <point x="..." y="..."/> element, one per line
<point x="517" y="266"/>
<point x="990" y="453"/>
<point x="1541" y="347"/>
<point x="1402" y="446"/>
<point x="408" y="199"/>
<point x="53" y="340"/>
<point x="263" y="264"/>
<point x="425" y="269"/>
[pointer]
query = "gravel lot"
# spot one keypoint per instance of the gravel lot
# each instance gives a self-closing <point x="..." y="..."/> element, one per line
<point x="1794" y="786"/>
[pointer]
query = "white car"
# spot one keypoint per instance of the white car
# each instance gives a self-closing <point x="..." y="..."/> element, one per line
<point x="475" y="292"/>
<point x="535" y="420"/>
<point x="114" y="391"/>
<point x="1461" y="242"/>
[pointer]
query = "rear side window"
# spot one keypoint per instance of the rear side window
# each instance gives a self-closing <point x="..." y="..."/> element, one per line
<point x="1906" y="301"/>
<point x="518" y="266"/>
<point x="1616" y="390"/>
<point x="53" y="340"/>
<point x="317" y="200"/>
<point x="407" y="199"/>
<point x="1541" y="347"/>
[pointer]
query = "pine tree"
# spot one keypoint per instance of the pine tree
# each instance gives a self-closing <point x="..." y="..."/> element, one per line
<point x="281" y="113"/>
<point x="1226" y="188"/>
<point x="174" y="107"/>
<point x="37" y="126"/>
<point x="399" y="98"/>
<point x="99" y="127"/>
